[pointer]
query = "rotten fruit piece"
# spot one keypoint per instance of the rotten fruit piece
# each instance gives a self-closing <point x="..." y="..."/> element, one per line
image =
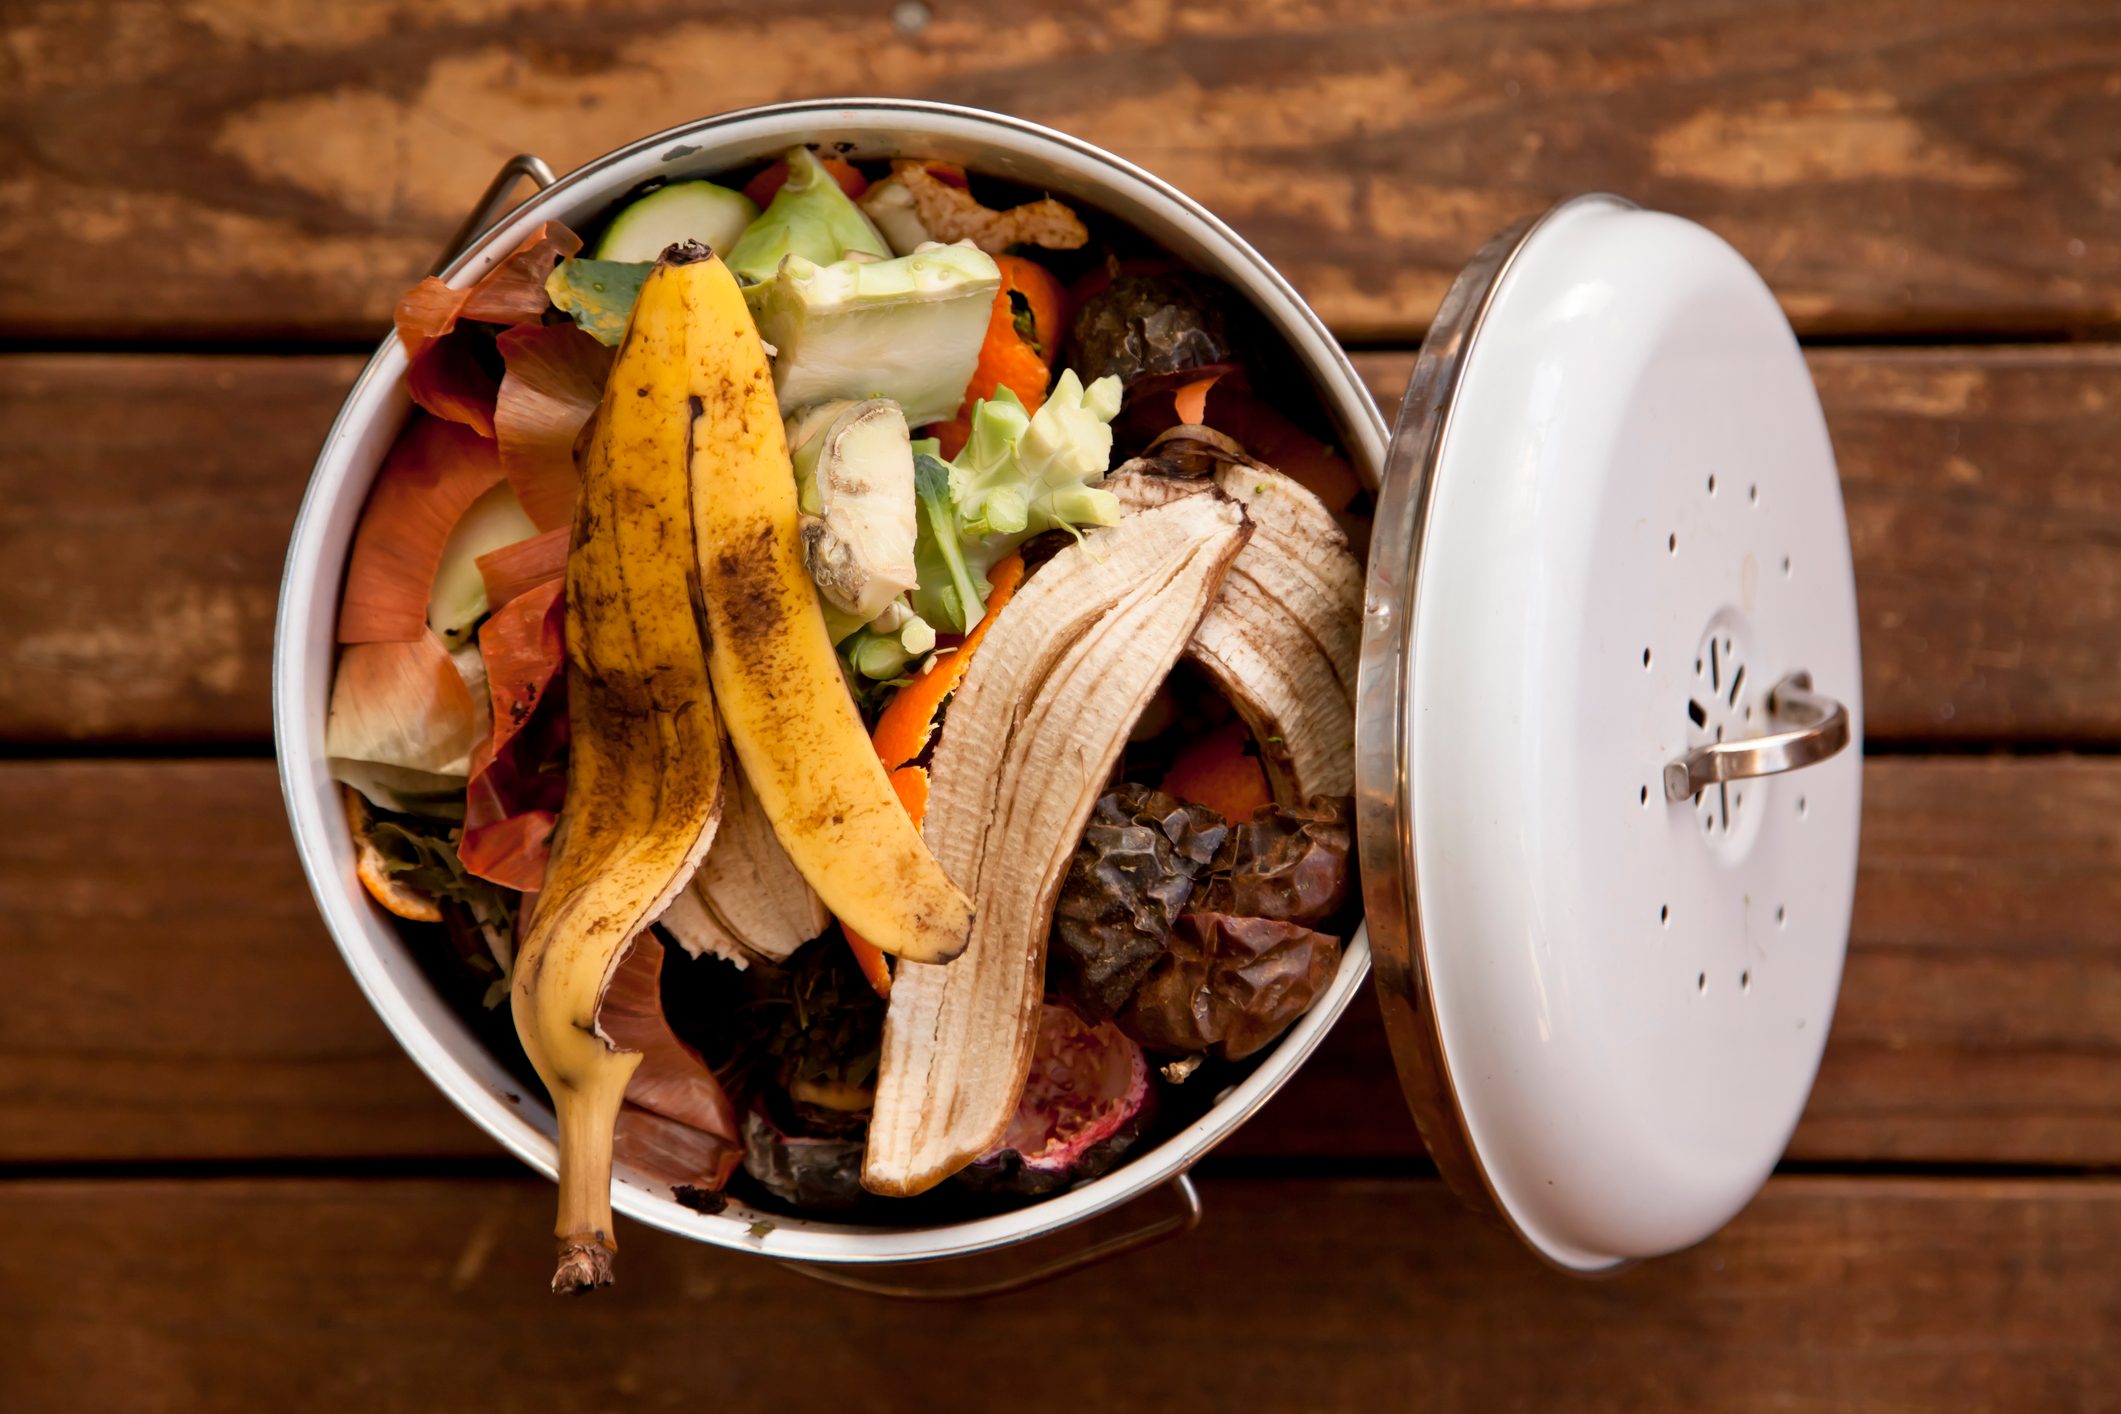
<point x="814" y="1172"/>
<point x="1215" y="770"/>
<point x="747" y="900"/>
<point x="1290" y="863"/>
<point x="1085" y="1103"/>
<point x="1228" y="986"/>
<point x="644" y="776"/>
<point x="1140" y="325"/>
<point x="1129" y="880"/>
<point x="374" y="872"/>
<point x="1282" y="639"/>
<point x="776" y="679"/>
<point x="1035" y="728"/>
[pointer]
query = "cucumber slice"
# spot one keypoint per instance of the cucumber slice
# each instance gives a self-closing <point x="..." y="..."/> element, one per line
<point x="458" y="599"/>
<point x="682" y="211"/>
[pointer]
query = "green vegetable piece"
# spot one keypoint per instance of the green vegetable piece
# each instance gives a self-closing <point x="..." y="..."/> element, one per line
<point x="949" y="593"/>
<point x="1019" y="474"/>
<point x="458" y="600"/>
<point x="908" y="329"/>
<point x="1022" y="473"/>
<point x="683" y="211"/>
<point x="809" y="217"/>
<point x="878" y="656"/>
<point x="598" y="294"/>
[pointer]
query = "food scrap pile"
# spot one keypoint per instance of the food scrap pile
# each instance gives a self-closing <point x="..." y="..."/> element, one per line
<point x="867" y="675"/>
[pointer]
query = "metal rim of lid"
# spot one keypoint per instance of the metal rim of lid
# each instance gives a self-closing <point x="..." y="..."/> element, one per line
<point x="1391" y="901"/>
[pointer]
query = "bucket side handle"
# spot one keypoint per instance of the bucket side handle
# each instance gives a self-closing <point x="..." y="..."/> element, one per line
<point x="492" y="202"/>
<point x="901" y="1280"/>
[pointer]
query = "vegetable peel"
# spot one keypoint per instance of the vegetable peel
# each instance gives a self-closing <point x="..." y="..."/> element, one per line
<point x="1037" y="724"/>
<point x="433" y="474"/>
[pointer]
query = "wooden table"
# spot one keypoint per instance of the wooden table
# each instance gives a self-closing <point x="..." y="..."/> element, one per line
<point x="234" y="1192"/>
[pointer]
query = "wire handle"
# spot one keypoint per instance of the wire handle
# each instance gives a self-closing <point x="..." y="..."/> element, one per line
<point x="492" y="202"/>
<point x="1818" y="729"/>
<point x="1134" y="1239"/>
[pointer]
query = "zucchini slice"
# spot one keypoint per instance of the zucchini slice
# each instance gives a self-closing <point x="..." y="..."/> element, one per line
<point x="682" y="211"/>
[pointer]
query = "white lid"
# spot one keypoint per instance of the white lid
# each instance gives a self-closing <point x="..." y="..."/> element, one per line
<point x="1610" y="525"/>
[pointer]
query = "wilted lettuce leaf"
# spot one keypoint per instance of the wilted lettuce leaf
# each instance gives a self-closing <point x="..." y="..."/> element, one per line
<point x="424" y="854"/>
<point x="1129" y="880"/>
<point x="1229" y="985"/>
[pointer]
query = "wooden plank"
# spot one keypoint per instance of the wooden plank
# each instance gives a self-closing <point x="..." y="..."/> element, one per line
<point x="317" y="1295"/>
<point x="174" y="993"/>
<point x="285" y="170"/>
<point x="1984" y="504"/>
<point x="145" y="505"/>
<point x="186" y="1003"/>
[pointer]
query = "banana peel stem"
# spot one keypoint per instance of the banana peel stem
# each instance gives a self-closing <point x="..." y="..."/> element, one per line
<point x="587" y="1118"/>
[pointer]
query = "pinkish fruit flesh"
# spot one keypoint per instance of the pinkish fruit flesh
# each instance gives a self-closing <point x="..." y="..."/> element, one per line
<point x="1087" y="1091"/>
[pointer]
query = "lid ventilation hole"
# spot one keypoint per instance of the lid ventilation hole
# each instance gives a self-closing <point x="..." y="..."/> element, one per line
<point x="1752" y="493"/>
<point x="1745" y="981"/>
<point x="1781" y="916"/>
<point x="1701" y="982"/>
<point x="1664" y="914"/>
<point x="1671" y="544"/>
<point x="1712" y="486"/>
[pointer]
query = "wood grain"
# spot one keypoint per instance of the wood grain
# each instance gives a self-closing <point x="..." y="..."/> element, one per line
<point x="1317" y="1295"/>
<point x="1983" y="493"/>
<point x="253" y="168"/>
<point x="183" y="1001"/>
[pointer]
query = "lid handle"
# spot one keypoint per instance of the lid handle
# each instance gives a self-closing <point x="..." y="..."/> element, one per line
<point x="1817" y="728"/>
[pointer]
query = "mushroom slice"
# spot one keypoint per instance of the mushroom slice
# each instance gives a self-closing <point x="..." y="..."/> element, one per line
<point x="1034" y="731"/>
<point x="747" y="900"/>
<point x="1282" y="638"/>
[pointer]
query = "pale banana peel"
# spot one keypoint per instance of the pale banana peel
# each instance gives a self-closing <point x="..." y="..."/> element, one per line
<point x="1032" y="735"/>
<point x="748" y="900"/>
<point x="1282" y="638"/>
<point x="644" y="780"/>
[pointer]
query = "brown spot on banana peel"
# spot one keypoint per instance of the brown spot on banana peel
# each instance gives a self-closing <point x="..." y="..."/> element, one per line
<point x="794" y="729"/>
<point x="644" y="774"/>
